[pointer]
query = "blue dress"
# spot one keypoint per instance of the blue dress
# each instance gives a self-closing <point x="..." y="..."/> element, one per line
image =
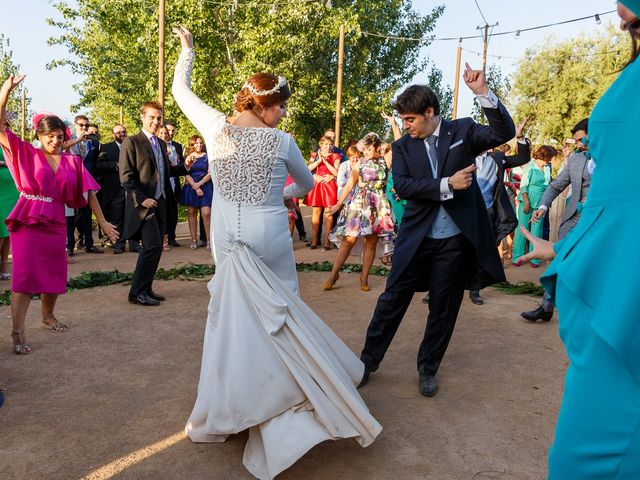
<point x="188" y="195"/>
<point x="595" y="278"/>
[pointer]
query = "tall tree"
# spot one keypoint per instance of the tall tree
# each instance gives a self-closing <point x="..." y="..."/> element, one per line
<point x="442" y="90"/>
<point x="7" y="68"/>
<point x="116" y="46"/>
<point x="558" y="83"/>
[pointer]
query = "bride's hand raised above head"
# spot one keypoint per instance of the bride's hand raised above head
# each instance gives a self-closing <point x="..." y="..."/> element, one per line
<point x="186" y="39"/>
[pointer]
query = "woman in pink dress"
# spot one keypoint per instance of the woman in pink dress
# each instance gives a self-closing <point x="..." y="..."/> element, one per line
<point x="47" y="179"/>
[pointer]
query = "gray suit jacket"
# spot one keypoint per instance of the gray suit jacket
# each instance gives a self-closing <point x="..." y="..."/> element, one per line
<point x="576" y="174"/>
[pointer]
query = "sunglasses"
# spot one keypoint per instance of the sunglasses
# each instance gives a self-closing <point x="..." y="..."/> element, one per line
<point x="83" y="125"/>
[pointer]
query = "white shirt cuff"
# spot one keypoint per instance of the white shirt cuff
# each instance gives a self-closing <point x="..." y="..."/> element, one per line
<point x="445" y="192"/>
<point x="522" y="141"/>
<point x="488" y="101"/>
<point x="543" y="207"/>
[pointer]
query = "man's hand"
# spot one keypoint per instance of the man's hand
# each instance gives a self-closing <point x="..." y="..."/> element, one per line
<point x="475" y="80"/>
<point x="186" y="39"/>
<point x="189" y="161"/>
<point x="289" y="204"/>
<point x="537" y="215"/>
<point x="149" y="203"/>
<point x="520" y="128"/>
<point x="461" y="180"/>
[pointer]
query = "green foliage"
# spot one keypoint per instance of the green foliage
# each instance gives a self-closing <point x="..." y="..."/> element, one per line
<point x="499" y="84"/>
<point x="522" y="288"/>
<point x="443" y="91"/>
<point x="116" y="44"/>
<point x="7" y="68"/>
<point x="380" y="271"/>
<point x="558" y="83"/>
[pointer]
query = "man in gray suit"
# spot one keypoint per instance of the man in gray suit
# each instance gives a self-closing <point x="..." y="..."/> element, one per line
<point x="577" y="174"/>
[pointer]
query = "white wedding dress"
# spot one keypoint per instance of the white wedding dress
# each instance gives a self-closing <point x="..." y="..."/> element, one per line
<point x="269" y="363"/>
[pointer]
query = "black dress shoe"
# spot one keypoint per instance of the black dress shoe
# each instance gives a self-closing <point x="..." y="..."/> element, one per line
<point x="428" y="384"/>
<point x="134" y="249"/>
<point x="117" y="250"/>
<point x="93" y="250"/>
<point x="426" y="299"/>
<point x="174" y="243"/>
<point x="143" y="299"/>
<point x="475" y="297"/>
<point x="537" y="314"/>
<point x="155" y="296"/>
<point x="367" y="373"/>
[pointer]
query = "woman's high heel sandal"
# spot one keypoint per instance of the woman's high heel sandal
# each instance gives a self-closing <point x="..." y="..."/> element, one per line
<point x="328" y="285"/>
<point x="19" y="345"/>
<point x="363" y="286"/>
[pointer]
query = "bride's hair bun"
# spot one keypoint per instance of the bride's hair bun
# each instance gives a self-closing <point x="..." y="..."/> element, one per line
<point x="245" y="100"/>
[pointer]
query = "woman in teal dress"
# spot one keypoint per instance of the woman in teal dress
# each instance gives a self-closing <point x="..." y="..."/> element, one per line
<point x="8" y="199"/>
<point x="594" y="278"/>
<point x="536" y="176"/>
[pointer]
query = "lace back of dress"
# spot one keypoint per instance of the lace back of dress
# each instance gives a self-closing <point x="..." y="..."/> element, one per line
<point x="243" y="160"/>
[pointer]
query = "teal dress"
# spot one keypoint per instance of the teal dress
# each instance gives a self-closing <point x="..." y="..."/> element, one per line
<point x="595" y="279"/>
<point x="534" y="183"/>
<point x="397" y="204"/>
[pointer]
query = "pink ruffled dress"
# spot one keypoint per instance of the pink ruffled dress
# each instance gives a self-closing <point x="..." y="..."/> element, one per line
<point x="37" y="225"/>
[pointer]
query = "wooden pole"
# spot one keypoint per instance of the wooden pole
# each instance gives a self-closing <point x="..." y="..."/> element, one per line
<point x="486" y="46"/>
<point x="161" y="20"/>
<point x="456" y="85"/>
<point x="339" y="89"/>
<point x="23" y="115"/>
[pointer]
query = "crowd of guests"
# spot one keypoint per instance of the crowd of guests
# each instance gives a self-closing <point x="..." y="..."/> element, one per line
<point x="354" y="206"/>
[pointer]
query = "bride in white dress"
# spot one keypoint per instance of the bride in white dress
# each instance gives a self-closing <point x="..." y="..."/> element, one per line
<point x="269" y="363"/>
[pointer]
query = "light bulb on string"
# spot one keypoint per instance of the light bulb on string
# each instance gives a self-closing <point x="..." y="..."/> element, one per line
<point x="598" y="21"/>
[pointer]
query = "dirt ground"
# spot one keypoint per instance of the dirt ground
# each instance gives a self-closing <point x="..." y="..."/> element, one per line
<point x="110" y="398"/>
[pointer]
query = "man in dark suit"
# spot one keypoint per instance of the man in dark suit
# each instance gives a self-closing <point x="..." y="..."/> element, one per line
<point x="445" y="235"/>
<point x="577" y="174"/>
<point x="490" y="177"/>
<point x="144" y="174"/>
<point x="112" y="200"/>
<point x="87" y="148"/>
<point x="176" y="157"/>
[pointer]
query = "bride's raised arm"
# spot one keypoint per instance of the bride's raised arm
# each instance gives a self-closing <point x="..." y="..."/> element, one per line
<point x="206" y="119"/>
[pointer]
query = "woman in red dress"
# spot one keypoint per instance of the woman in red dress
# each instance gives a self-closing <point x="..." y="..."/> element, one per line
<point x="324" y="166"/>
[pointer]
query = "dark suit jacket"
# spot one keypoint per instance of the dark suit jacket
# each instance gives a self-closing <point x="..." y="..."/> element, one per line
<point x="460" y="142"/>
<point x="180" y="153"/>
<point x="505" y="220"/>
<point x="139" y="177"/>
<point x="107" y="168"/>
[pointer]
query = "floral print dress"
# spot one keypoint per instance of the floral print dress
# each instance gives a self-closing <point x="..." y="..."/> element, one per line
<point x="367" y="210"/>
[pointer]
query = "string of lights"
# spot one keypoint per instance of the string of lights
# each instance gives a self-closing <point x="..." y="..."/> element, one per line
<point x="596" y="17"/>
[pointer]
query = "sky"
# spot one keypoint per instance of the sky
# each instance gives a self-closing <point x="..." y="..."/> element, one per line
<point x="24" y="23"/>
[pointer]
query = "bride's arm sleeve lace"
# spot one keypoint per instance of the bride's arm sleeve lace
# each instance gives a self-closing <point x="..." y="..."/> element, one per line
<point x="206" y="119"/>
<point x="302" y="177"/>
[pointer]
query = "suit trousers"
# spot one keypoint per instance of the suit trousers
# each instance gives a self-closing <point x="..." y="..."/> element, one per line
<point x="151" y="233"/>
<point x="441" y="264"/>
<point x="113" y="211"/>
<point x="84" y="225"/>
<point x="475" y="282"/>
<point x="172" y="217"/>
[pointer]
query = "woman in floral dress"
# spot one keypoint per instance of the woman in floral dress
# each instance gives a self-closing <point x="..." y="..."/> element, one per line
<point x="367" y="212"/>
